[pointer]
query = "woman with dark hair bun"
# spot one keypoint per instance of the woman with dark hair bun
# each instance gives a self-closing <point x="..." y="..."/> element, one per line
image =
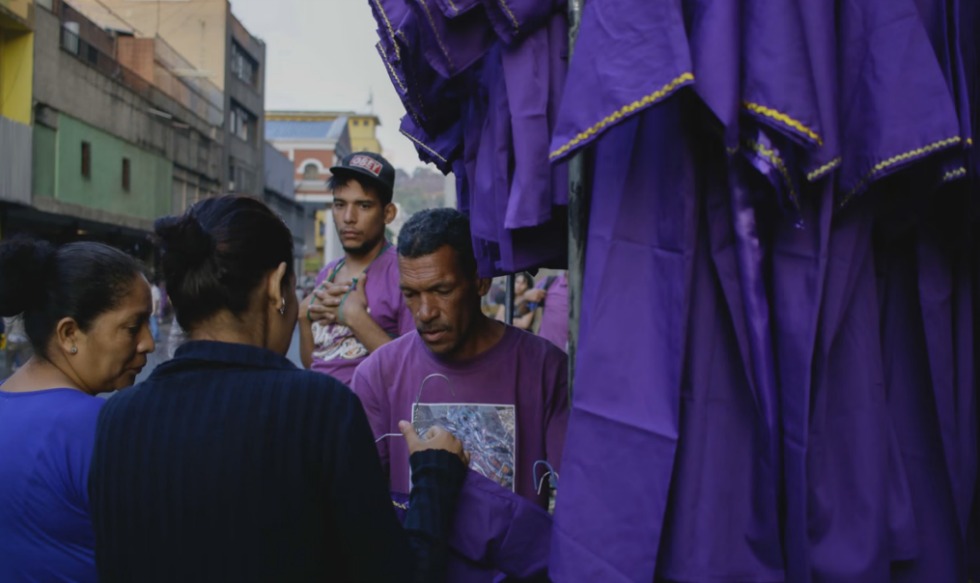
<point x="229" y="463"/>
<point x="85" y="308"/>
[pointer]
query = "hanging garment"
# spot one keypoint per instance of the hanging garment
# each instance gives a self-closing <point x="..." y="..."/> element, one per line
<point x="609" y="514"/>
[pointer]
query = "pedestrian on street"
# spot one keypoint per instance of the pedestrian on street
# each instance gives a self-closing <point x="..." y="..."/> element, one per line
<point x="229" y="463"/>
<point x="356" y="306"/>
<point x="85" y="308"/>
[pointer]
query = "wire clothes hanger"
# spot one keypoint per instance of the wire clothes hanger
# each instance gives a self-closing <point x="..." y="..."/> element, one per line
<point x="551" y="472"/>
<point x="418" y="399"/>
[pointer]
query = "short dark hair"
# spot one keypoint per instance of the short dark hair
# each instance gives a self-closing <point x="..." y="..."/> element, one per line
<point x="338" y="180"/>
<point x="45" y="283"/>
<point x="428" y="230"/>
<point x="217" y="252"/>
<point x="528" y="278"/>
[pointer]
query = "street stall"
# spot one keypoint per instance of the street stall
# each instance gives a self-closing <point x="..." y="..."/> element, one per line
<point x="769" y="212"/>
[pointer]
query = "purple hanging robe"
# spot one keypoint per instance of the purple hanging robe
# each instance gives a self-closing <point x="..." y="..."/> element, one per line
<point x="849" y="450"/>
<point x="906" y="287"/>
<point x="527" y="77"/>
<point x="515" y="19"/>
<point x="623" y="430"/>
<point x="629" y="55"/>
<point x="454" y="8"/>
<point x="440" y="150"/>
<point x="451" y="45"/>
<point x="724" y="450"/>
<point x="943" y="27"/>
<point x="896" y="106"/>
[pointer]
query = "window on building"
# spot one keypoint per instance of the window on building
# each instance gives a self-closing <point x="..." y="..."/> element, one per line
<point x="86" y="160"/>
<point x="241" y="122"/>
<point x="243" y="65"/>
<point x="125" y="174"/>
<point x="356" y="123"/>
<point x="311" y="172"/>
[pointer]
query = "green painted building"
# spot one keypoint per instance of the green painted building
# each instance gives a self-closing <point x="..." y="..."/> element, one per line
<point x="78" y="164"/>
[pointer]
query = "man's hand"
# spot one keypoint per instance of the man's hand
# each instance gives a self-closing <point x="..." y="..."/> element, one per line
<point x="535" y="295"/>
<point x="354" y="305"/>
<point x="323" y="303"/>
<point x="435" y="438"/>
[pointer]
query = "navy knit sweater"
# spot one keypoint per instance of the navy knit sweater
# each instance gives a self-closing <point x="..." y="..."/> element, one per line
<point x="230" y="464"/>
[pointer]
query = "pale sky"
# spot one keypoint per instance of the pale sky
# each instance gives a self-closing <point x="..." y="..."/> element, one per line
<point x="320" y="55"/>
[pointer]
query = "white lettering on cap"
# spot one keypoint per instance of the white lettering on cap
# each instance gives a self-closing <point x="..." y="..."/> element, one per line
<point x="368" y="163"/>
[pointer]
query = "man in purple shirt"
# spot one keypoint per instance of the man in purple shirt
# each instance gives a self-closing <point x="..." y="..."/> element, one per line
<point x="501" y="390"/>
<point x="349" y="314"/>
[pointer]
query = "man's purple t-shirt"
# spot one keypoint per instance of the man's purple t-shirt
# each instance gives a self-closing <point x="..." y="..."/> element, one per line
<point x="336" y="351"/>
<point x="509" y="405"/>
<point x="46" y="440"/>
<point x="554" y="316"/>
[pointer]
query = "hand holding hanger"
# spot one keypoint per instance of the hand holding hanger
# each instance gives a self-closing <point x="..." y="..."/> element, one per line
<point x="435" y="438"/>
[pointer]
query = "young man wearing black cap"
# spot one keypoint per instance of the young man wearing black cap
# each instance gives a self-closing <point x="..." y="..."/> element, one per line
<point x="357" y="304"/>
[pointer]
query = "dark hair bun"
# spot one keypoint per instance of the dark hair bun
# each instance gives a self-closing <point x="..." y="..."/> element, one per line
<point x="185" y="241"/>
<point x="24" y="268"/>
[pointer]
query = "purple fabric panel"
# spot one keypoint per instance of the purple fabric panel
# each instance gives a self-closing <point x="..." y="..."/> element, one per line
<point x="850" y="457"/>
<point x="526" y="77"/>
<point x="557" y="77"/>
<point x="451" y="46"/>
<point x="776" y="71"/>
<point x="946" y="288"/>
<point x="799" y="258"/>
<point x="715" y="41"/>
<point x="629" y="55"/>
<point x="630" y="355"/>
<point x="724" y="451"/>
<point x="913" y="407"/>
<point x="820" y="31"/>
<point x="389" y="15"/>
<point x="896" y="105"/>
<point x="515" y="19"/>
<point x="439" y="150"/>
<point x="943" y="28"/>
<point x="431" y="99"/>
<point x="453" y="8"/>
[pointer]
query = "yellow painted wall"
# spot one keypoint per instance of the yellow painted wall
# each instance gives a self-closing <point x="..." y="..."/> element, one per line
<point x="198" y="30"/>
<point x="16" y="74"/>
<point x="21" y="8"/>
<point x="362" y="131"/>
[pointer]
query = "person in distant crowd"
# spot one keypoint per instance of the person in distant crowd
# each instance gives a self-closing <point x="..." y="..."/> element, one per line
<point x="85" y="309"/>
<point x="356" y="306"/>
<point x="523" y="315"/>
<point x="501" y="390"/>
<point x="550" y="297"/>
<point x="230" y="464"/>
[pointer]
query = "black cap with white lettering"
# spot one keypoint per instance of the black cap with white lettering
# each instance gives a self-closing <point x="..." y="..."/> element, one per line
<point x="368" y="165"/>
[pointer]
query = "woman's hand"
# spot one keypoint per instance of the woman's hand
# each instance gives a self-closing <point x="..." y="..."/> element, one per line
<point x="435" y="438"/>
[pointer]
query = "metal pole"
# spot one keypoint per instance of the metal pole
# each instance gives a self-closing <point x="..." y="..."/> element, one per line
<point x="578" y="218"/>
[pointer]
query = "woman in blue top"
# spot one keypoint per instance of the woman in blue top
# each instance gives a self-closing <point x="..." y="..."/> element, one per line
<point x="85" y="308"/>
